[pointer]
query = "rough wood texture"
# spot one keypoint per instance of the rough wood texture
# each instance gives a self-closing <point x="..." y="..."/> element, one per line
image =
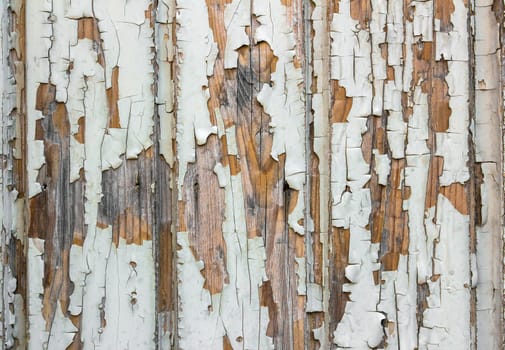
<point x="252" y="174"/>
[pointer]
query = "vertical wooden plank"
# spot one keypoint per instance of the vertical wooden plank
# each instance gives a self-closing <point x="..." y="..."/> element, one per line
<point x="487" y="269"/>
<point x="166" y="298"/>
<point x="13" y="175"/>
<point x="318" y="250"/>
<point x="355" y="262"/>
<point x="90" y="103"/>
<point x="240" y="189"/>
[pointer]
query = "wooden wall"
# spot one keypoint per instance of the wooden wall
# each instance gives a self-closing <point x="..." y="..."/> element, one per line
<point x="252" y="174"/>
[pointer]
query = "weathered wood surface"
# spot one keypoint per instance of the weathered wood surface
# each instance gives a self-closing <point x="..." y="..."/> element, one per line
<point x="252" y="174"/>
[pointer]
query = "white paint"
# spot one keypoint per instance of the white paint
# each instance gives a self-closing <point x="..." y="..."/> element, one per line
<point x="125" y="26"/>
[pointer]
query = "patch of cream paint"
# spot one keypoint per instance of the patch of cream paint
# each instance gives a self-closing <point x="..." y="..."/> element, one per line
<point x="37" y="333"/>
<point x="301" y="274"/>
<point x="245" y="264"/>
<point x="382" y="167"/>
<point x="441" y="327"/>
<point x="129" y="297"/>
<point x="236" y="18"/>
<point x="389" y="306"/>
<point x="222" y="174"/>
<point x="77" y="276"/>
<point x="360" y="326"/>
<point x="62" y="331"/>
<point x="125" y="25"/>
<point x="314" y="298"/>
<point x="423" y="19"/>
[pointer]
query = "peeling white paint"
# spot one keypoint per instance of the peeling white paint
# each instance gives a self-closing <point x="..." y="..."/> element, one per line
<point x="38" y="34"/>
<point x="453" y="145"/>
<point x="245" y="265"/>
<point x="352" y="54"/>
<point x="283" y="100"/>
<point x="165" y="55"/>
<point x="195" y="43"/>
